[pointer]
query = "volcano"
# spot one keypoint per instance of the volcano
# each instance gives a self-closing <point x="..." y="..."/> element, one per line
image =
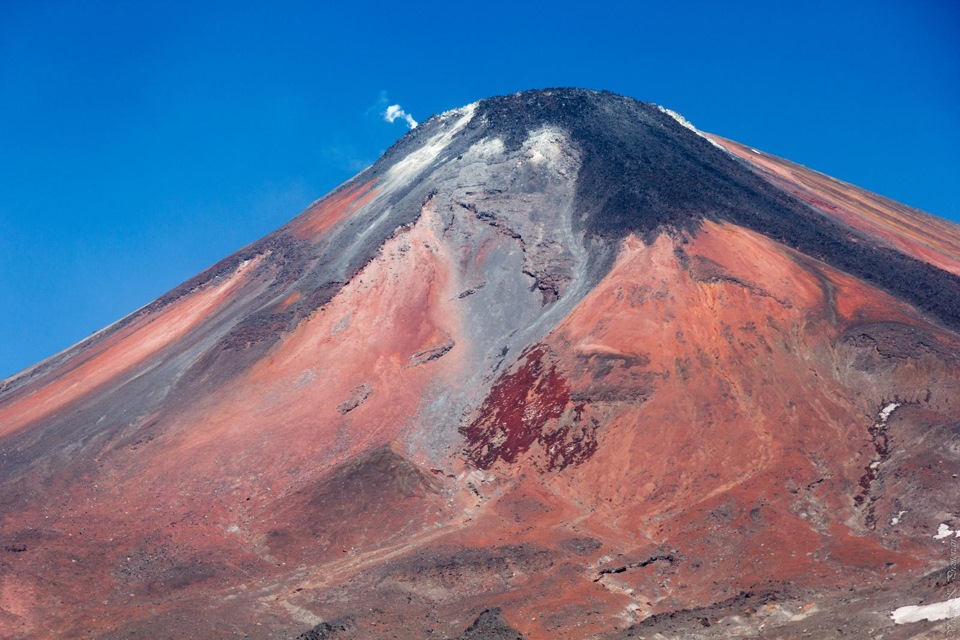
<point x="558" y="365"/>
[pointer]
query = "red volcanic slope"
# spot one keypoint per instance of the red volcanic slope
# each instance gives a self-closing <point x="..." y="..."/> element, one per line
<point x="445" y="390"/>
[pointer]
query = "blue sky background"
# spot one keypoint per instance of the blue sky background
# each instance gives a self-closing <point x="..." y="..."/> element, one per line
<point x="142" y="141"/>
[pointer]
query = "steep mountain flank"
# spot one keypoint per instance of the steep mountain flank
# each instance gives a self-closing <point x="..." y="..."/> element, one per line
<point x="557" y="366"/>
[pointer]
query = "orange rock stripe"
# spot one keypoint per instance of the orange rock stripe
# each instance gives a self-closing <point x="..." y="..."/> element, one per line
<point x="122" y="352"/>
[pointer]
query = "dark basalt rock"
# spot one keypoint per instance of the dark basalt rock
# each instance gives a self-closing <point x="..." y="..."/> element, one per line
<point x="328" y="630"/>
<point x="490" y="625"/>
<point x="680" y="622"/>
<point x="898" y="341"/>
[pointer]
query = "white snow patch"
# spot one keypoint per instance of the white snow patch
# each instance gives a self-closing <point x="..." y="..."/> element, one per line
<point x="686" y="123"/>
<point x="679" y="118"/>
<point x="881" y="424"/>
<point x="407" y="169"/>
<point x="545" y="145"/>
<point x="487" y="148"/>
<point x="935" y="611"/>
<point x="944" y="531"/>
<point x="887" y="410"/>
<point x="896" y="519"/>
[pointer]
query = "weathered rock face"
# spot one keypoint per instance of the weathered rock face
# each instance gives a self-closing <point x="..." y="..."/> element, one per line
<point x="558" y="365"/>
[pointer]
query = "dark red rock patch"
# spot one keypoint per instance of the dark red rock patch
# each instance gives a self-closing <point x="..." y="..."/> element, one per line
<point x="515" y="415"/>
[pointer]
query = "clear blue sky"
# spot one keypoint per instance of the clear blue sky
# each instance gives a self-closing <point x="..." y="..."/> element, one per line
<point x="142" y="141"/>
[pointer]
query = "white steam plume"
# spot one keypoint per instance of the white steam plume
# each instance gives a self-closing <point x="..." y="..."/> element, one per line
<point x="395" y="111"/>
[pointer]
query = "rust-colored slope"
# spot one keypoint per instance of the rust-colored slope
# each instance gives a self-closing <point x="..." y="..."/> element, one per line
<point x="707" y="427"/>
<point x="906" y="229"/>
<point x="116" y="355"/>
<point x="320" y="217"/>
<point x="686" y="435"/>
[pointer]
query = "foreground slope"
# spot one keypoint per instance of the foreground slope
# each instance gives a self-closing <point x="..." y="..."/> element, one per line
<point x="557" y="357"/>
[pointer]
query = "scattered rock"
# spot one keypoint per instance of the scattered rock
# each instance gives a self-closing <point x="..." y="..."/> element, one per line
<point x="357" y="397"/>
<point x="433" y="353"/>
<point x="490" y="625"/>
<point x="328" y="630"/>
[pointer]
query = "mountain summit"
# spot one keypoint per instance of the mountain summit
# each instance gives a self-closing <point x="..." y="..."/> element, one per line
<point x="557" y="365"/>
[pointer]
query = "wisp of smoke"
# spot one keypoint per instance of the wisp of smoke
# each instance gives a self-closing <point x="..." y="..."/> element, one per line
<point x="395" y="111"/>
